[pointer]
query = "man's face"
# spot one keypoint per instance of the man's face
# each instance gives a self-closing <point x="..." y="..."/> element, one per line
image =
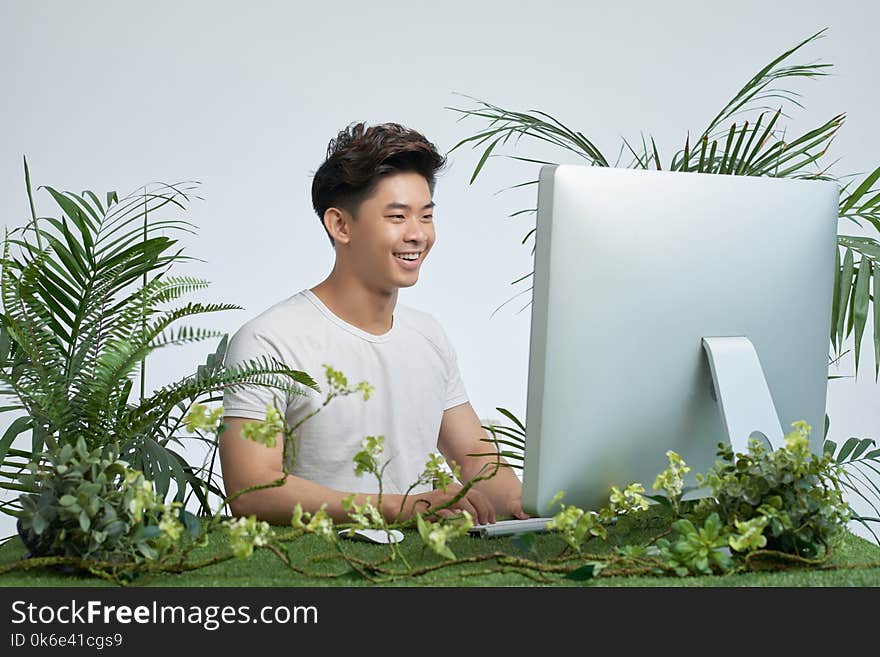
<point x="397" y="222"/>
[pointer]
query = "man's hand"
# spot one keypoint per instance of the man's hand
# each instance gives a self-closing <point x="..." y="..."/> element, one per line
<point x="461" y="436"/>
<point x="474" y="502"/>
<point x="514" y="508"/>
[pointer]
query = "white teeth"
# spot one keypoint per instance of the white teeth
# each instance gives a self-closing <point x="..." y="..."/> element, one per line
<point x="407" y="256"/>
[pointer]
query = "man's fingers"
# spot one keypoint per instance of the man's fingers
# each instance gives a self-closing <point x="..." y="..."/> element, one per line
<point x="484" y="513"/>
<point x="516" y="510"/>
<point x="465" y="504"/>
<point x="486" y="508"/>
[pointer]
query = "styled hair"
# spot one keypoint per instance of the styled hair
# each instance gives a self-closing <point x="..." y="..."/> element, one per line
<point x="359" y="157"/>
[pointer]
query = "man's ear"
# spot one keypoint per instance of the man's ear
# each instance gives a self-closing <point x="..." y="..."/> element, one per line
<point x="336" y="221"/>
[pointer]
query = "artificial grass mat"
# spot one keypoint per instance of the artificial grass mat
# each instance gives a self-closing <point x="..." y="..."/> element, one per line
<point x="857" y="561"/>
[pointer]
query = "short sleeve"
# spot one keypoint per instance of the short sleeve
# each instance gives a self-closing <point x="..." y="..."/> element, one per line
<point x="455" y="391"/>
<point x="250" y="400"/>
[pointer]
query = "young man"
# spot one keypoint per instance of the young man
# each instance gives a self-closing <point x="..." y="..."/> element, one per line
<point x="373" y="195"/>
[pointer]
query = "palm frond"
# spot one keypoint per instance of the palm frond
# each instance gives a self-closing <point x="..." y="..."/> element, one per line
<point x="76" y="321"/>
<point x="537" y="124"/>
<point x="759" y="86"/>
<point x="264" y="371"/>
<point x="749" y="148"/>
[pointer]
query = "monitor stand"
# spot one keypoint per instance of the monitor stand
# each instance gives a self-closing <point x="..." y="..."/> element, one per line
<point x="740" y="388"/>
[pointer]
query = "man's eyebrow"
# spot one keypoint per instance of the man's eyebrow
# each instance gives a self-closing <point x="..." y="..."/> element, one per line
<point x="403" y="206"/>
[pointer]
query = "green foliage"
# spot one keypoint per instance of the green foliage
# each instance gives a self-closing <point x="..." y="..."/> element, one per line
<point x="338" y="384"/>
<point x="671" y="480"/>
<point x="503" y="437"/>
<point x="438" y="474"/>
<point x="247" y="533"/>
<point x="82" y="309"/>
<point x="263" y="432"/>
<point x="629" y="500"/>
<point x="577" y="526"/>
<point x="796" y="492"/>
<point x="750" y="534"/>
<point x="697" y="550"/>
<point x="787" y="501"/>
<point x="90" y="507"/>
<point x="363" y="516"/>
<point x="87" y="503"/>
<point x="436" y="535"/>
<point x="858" y="465"/>
<point x="318" y="523"/>
<point x="367" y="460"/>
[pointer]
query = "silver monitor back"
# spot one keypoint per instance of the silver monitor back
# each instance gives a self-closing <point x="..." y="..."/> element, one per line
<point x="632" y="269"/>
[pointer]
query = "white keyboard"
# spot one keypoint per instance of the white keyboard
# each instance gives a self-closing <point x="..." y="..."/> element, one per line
<point x="507" y="527"/>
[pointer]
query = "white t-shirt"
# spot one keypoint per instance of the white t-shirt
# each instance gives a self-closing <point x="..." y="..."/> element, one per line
<point x="412" y="368"/>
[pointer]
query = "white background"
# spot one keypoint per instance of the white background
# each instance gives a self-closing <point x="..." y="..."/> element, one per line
<point x="244" y="97"/>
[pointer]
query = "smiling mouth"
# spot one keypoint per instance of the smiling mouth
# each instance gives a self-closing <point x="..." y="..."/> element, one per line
<point x="409" y="257"/>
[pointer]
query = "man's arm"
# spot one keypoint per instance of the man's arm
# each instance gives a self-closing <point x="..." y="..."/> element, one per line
<point x="460" y="435"/>
<point x="246" y="463"/>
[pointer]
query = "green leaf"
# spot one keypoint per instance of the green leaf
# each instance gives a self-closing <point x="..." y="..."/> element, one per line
<point x="835" y="301"/>
<point x="150" y="531"/>
<point x="860" y="190"/>
<point x="524" y="542"/>
<point x="867" y="246"/>
<point x="829" y="447"/>
<point x="847" y="449"/>
<point x="5" y="345"/>
<point x="18" y="426"/>
<point x="764" y="77"/>
<point x="518" y="440"/>
<point x="496" y="441"/>
<point x="190" y="522"/>
<point x="147" y="550"/>
<point x="40" y="523"/>
<point x="876" y="322"/>
<point x="722" y="168"/>
<point x="661" y="499"/>
<point x="656" y="155"/>
<point x="483" y="160"/>
<point x="512" y="418"/>
<point x="423" y="528"/>
<point x="115" y="528"/>
<point x="703" y="143"/>
<point x="583" y="573"/>
<point x="864" y="444"/>
<point x="845" y="283"/>
<point x="860" y="305"/>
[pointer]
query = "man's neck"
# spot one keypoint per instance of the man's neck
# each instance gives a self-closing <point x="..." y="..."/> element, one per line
<point x="349" y="299"/>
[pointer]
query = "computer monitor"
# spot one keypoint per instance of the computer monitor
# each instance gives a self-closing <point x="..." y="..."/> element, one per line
<point x="673" y="311"/>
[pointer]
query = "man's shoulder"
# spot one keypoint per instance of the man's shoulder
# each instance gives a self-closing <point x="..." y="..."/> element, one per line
<point x="282" y="317"/>
<point x="422" y="323"/>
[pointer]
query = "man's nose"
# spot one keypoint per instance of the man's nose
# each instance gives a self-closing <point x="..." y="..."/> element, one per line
<point x="416" y="232"/>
